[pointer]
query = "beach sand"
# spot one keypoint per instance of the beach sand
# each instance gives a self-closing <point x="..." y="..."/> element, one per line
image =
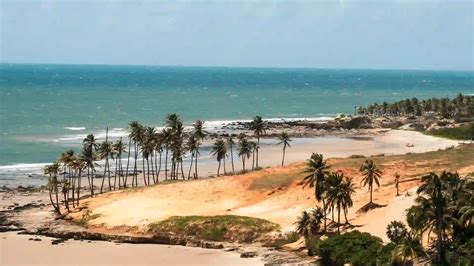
<point x="18" y="250"/>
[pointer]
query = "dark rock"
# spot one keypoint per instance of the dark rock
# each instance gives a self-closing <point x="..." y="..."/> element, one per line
<point x="249" y="254"/>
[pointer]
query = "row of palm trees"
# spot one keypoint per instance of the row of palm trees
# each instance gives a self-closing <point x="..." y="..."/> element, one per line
<point x="460" y="106"/>
<point x="172" y="142"/>
<point x="334" y="189"/>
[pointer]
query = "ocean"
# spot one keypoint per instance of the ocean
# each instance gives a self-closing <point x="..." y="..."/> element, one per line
<point x="46" y="109"/>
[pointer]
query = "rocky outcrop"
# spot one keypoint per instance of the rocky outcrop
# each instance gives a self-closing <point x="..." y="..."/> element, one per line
<point x="165" y="239"/>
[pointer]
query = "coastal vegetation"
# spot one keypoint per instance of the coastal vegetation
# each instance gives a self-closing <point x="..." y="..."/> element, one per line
<point x="230" y="228"/>
<point x="462" y="132"/>
<point x="459" y="107"/>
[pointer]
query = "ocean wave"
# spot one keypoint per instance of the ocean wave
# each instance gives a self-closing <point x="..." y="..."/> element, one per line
<point x="22" y="167"/>
<point x="75" y="128"/>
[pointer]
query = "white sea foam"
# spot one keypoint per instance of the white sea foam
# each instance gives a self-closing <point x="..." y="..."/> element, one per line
<point x="75" y="128"/>
<point x="22" y="167"/>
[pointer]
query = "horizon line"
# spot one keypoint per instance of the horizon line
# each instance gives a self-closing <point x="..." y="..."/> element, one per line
<point x="241" y="67"/>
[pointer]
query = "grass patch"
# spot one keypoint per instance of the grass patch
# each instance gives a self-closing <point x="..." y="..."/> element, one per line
<point x="464" y="132"/>
<point x="274" y="181"/>
<point x="285" y="239"/>
<point x="229" y="228"/>
<point x="86" y="217"/>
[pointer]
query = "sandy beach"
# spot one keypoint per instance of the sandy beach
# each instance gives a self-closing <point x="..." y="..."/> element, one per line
<point x="18" y="250"/>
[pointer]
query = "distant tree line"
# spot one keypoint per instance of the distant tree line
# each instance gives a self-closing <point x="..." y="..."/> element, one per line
<point x="458" y="107"/>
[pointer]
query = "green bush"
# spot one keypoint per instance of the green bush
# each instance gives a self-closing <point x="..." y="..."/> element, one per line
<point x="353" y="247"/>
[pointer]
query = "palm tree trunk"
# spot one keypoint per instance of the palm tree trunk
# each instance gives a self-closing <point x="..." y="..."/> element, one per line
<point x="256" y="150"/>
<point x="152" y="168"/>
<point x="371" y="194"/>
<point x="143" y="169"/>
<point x="338" y="217"/>
<point x="345" y="215"/>
<point x="103" y="176"/>
<point x="196" y="166"/>
<point x="55" y="207"/>
<point x="108" y="173"/>
<point x="253" y="159"/>
<point x="72" y="190"/>
<point x="219" y="168"/>
<point x="439" y="232"/>
<point x="182" y="169"/>
<point x="325" y="212"/>
<point x="115" y="173"/>
<point x="128" y="162"/>
<point x="232" y="160"/>
<point x="166" y="164"/>
<point x="79" y="186"/>
<point x="159" y="170"/>
<point x="135" y="168"/>
<point x="243" y="164"/>
<point x="191" y="165"/>
<point x="283" y="159"/>
<point x="225" y="172"/>
<point x="57" y="196"/>
<point x="92" y="182"/>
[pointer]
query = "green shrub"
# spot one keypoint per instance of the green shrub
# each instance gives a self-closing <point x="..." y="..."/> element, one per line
<point x="353" y="247"/>
<point x="231" y="228"/>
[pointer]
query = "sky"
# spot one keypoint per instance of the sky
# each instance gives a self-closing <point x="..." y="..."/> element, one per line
<point x="389" y="34"/>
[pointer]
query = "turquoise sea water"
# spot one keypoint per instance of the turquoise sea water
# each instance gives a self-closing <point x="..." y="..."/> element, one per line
<point x="46" y="109"/>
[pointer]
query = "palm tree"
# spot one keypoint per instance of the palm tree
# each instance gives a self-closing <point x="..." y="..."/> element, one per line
<point x="371" y="175"/>
<point x="105" y="150"/>
<point x="200" y="135"/>
<point x="339" y="194"/>
<point x="193" y="147"/>
<point x="285" y="140"/>
<point x="148" y="148"/>
<point x="137" y="137"/>
<point x="118" y="149"/>
<point x="259" y="128"/>
<point x="434" y="193"/>
<point x="159" y="142"/>
<point x="397" y="182"/>
<point x="303" y="225"/>
<point x="88" y="155"/>
<point x="245" y="150"/>
<point x="317" y="169"/>
<point x="52" y="171"/>
<point x="408" y="249"/>
<point x="166" y="138"/>
<point x="220" y="151"/>
<point x="79" y="165"/>
<point x="253" y="146"/>
<point x="230" y="142"/>
<point x="308" y="225"/>
<point x="132" y="127"/>
<point x="65" y="160"/>
<point x="396" y="230"/>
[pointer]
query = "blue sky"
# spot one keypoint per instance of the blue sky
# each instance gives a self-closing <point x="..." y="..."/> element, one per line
<point x="397" y="34"/>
